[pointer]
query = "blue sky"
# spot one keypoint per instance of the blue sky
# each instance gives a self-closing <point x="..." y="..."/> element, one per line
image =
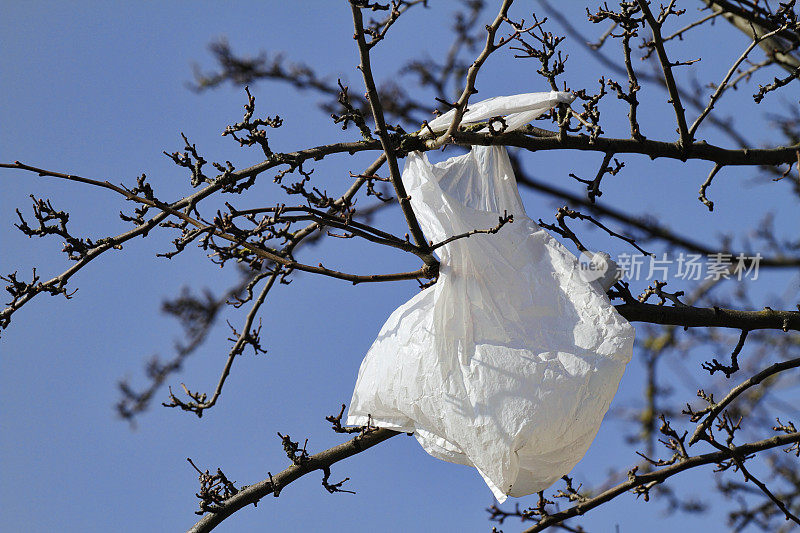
<point x="99" y="89"/>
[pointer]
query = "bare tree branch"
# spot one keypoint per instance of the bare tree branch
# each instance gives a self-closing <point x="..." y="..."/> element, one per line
<point x="659" y="476"/>
<point x="386" y="142"/>
<point x="274" y="484"/>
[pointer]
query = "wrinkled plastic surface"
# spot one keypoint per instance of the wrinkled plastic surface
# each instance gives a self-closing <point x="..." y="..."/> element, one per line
<point x="518" y="109"/>
<point x="510" y="361"/>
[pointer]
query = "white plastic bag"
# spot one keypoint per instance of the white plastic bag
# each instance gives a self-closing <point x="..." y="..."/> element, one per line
<point x="510" y="361"/>
<point x="518" y="109"/>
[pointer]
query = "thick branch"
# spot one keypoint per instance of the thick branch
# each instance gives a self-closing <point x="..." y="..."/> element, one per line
<point x="274" y="484"/>
<point x="700" y="151"/>
<point x="254" y="493"/>
<point x="386" y="142"/>
<point x="689" y="316"/>
<point x="658" y="476"/>
<point x="654" y="149"/>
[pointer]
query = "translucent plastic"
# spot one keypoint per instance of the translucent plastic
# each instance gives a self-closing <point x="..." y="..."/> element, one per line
<point x="510" y="361"/>
<point x="517" y="110"/>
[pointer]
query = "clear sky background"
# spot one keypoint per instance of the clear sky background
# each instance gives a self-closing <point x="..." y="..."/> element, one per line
<point x="99" y="89"/>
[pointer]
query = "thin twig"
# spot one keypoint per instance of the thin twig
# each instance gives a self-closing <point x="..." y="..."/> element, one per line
<point x="504" y="219"/>
<point x="735" y="392"/>
<point x="469" y="86"/>
<point x="674" y="96"/>
<point x="679" y="34"/>
<point x="706" y="184"/>
<point x="199" y="405"/>
<point x="652" y="228"/>
<point x="724" y="83"/>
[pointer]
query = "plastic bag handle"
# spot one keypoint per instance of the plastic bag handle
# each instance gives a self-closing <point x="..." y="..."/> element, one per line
<point x="518" y="109"/>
